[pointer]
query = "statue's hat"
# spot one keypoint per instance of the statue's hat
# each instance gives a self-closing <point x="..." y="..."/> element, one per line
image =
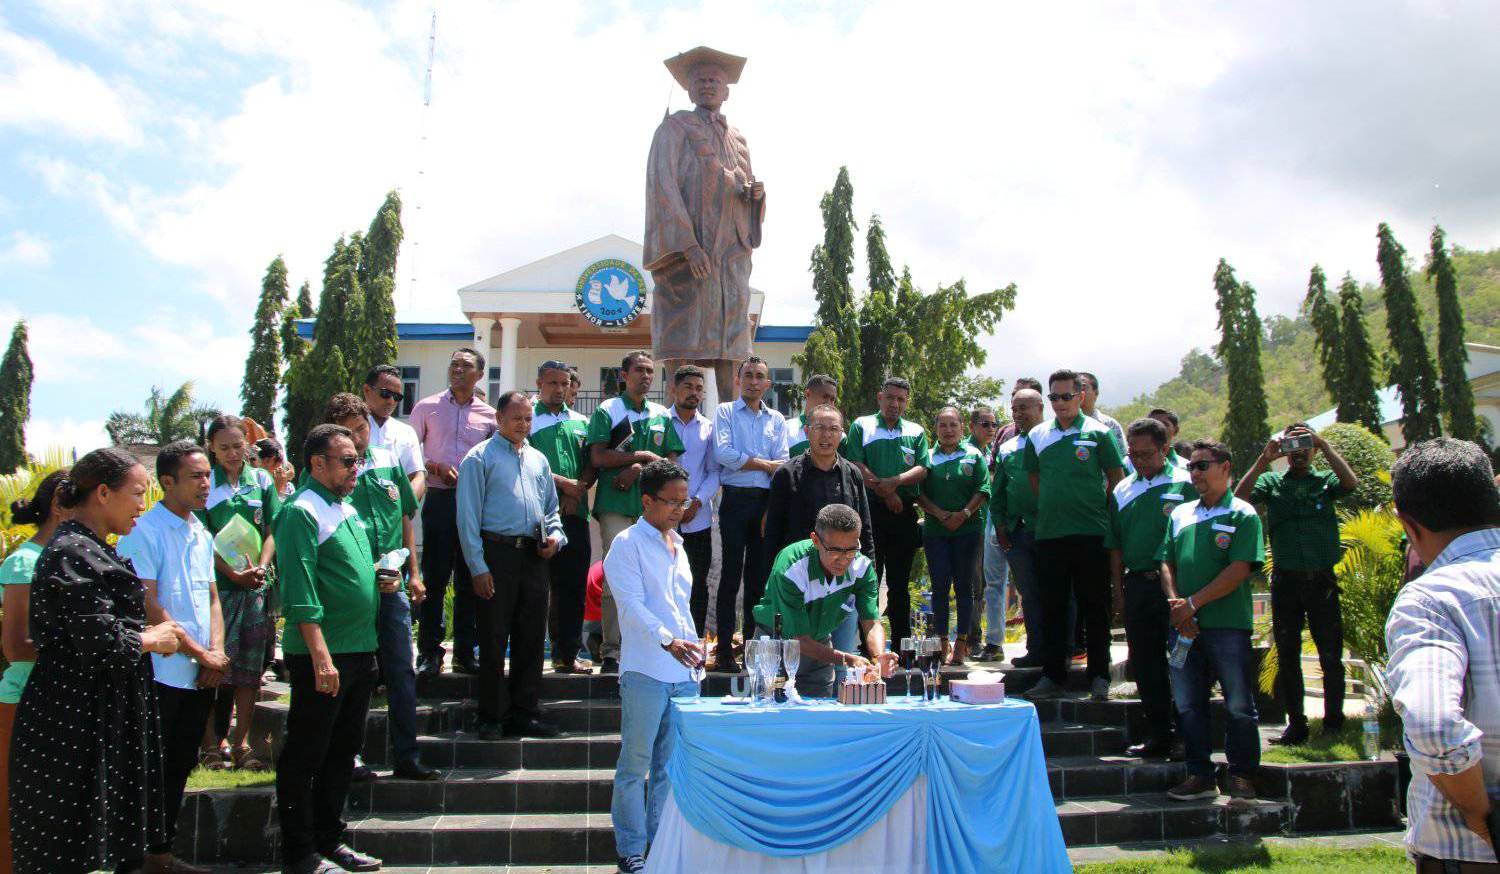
<point x="681" y="66"/>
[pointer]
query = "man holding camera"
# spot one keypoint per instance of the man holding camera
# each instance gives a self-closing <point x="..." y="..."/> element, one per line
<point x="1304" y="530"/>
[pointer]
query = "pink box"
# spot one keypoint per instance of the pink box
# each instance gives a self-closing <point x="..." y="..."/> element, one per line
<point x="967" y="692"/>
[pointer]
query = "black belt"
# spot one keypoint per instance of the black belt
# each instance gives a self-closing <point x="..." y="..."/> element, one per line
<point x="511" y="540"/>
<point x="1429" y="865"/>
<point x="752" y="491"/>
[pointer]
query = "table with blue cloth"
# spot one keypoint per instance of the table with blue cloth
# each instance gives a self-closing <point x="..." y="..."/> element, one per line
<point x="946" y="788"/>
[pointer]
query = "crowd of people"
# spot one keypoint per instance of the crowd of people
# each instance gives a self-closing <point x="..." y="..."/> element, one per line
<point x="129" y="661"/>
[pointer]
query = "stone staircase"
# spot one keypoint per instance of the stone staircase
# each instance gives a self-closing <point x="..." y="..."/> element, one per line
<point x="545" y="802"/>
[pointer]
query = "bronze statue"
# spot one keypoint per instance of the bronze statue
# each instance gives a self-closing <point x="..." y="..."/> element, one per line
<point x="704" y="209"/>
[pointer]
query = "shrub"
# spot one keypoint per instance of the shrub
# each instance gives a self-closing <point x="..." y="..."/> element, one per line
<point x="1369" y="457"/>
<point x="1370" y="574"/>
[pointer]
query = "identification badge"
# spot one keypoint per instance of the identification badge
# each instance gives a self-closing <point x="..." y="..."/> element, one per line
<point x="1226" y="528"/>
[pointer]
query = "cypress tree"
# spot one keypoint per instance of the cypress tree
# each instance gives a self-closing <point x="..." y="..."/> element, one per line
<point x="1411" y="368"/>
<point x="1453" y="358"/>
<point x="1245" y="428"/>
<point x="1324" y="315"/>
<point x="263" y="367"/>
<point x="15" y="400"/>
<point x="292" y="345"/>
<point x="324" y="371"/>
<point x="1357" y="401"/>
<point x="377" y="277"/>
<point x="833" y="347"/>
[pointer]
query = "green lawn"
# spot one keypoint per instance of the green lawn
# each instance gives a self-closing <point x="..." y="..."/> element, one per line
<point x="1261" y="859"/>
<point x="1346" y="746"/>
<point x="205" y="779"/>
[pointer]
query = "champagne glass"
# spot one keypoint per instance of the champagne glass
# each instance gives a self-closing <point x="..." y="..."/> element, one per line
<point x="770" y="658"/>
<point x="752" y="668"/>
<point x="791" y="656"/>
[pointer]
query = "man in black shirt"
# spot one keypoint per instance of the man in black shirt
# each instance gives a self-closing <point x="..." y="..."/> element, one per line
<point x="812" y="481"/>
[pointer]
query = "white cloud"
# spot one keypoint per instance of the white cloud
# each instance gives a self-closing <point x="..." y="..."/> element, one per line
<point x="68" y="435"/>
<point x="40" y="91"/>
<point x="25" y="250"/>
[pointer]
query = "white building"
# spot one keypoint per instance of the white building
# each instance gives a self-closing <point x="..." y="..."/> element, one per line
<point x="586" y="306"/>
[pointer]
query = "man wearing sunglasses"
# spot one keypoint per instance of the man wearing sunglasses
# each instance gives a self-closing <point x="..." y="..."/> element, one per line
<point x="1072" y="461"/>
<point x="384" y="395"/>
<point x="814" y="585"/>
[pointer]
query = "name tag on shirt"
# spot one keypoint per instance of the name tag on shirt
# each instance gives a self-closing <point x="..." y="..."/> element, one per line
<point x="1225" y="528"/>
<point x="1085" y="443"/>
<point x="1173" y="496"/>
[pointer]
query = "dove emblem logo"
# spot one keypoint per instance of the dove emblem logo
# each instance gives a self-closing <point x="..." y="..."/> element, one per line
<point x="610" y="293"/>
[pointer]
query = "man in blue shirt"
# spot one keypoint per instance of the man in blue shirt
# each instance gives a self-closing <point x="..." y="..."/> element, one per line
<point x="750" y="444"/>
<point x="508" y="520"/>
<point x="697" y="526"/>
<point x="174" y="555"/>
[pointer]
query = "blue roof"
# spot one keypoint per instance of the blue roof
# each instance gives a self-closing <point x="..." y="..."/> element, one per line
<point x="1390" y="410"/>
<point x="461" y="331"/>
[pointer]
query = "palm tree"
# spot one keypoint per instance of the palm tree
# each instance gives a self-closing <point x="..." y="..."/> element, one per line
<point x="167" y="418"/>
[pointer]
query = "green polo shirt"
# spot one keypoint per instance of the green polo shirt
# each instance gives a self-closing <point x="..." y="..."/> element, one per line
<point x="1301" y="518"/>
<point x="383" y="497"/>
<point x="1138" y="512"/>
<point x="620" y="426"/>
<point x="1012" y="502"/>
<point x="323" y="559"/>
<point x="1070" y="463"/>
<point x="796" y="436"/>
<point x="563" y="438"/>
<point x="809" y="602"/>
<point x="953" y="478"/>
<point x="888" y="451"/>
<point x="1201" y="542"/>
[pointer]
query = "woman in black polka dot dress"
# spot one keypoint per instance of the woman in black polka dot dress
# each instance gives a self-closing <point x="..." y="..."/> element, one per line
<point x="86" y="769"/>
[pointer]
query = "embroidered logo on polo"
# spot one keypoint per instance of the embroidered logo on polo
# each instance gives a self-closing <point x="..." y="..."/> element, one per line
<point x="1221" y="539"/>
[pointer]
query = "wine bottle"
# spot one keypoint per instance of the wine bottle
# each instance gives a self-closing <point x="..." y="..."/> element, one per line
<point x="781" y="677"/>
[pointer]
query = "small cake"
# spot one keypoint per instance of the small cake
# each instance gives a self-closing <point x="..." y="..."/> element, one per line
<point x="862" y="687"/>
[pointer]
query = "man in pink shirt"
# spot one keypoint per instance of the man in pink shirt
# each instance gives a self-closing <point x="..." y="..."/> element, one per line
<point x="448" y="424"/>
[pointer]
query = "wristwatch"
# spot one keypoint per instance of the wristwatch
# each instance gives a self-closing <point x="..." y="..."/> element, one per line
<point x="664" y="636"/>
<point x="1191" y="606"/>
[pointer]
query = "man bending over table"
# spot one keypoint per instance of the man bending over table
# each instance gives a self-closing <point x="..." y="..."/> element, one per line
<point x="814" y="584"/>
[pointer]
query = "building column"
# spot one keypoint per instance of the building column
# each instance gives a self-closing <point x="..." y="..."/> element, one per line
<point x="482" y="327"/>
<point x="510" y="330"/>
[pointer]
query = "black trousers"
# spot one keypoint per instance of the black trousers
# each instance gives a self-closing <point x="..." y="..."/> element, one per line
<point x="323" y="735"/>
<point x="514" y="618"/>
<point x="1075" y="565"/>
<point x="898" y="536"/>
<point x="442" y="558"/>
<point x="184" y="713"/>
<point x="1313" y="597"/>
<point x="741" y="512"/>
<point x="1147" y="624"/>
<point x="569" y="573"/>
<point x="700" y="553"/>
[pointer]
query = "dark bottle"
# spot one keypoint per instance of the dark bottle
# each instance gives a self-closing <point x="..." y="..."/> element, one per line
<point x="781" y="677"/>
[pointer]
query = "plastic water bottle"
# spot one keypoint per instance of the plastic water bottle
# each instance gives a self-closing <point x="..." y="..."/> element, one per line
<point x="1181" y="643"/>
<point x="1371" y="734"/>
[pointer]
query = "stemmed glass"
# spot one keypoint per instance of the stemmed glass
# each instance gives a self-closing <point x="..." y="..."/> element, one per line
<point x="791" y="656"/>
<point x="752" y="668"/>
<point x="701" y="648"/>
<point x="767" y="657"/>
<point x="932" y="658"/>
<point x="909" y="661"/>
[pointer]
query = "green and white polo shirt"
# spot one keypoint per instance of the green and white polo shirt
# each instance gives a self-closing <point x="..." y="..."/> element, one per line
<point x="252" y="497"/>
<point x="619" y="426"/>
<point x="563" y="438"/>
<point x="383" y="497"/>
<point x="323" y="560"/>
<point x="1138" y="513"/>
<point x="953" y="478"/>
<point x="1070" y="463"/>
<point x="1202" y="541"/>
<point x="888" y="451"/>
<point x="1012" y="502"/>
<point x="796" y="436"/>
<point x="809" y="602"/>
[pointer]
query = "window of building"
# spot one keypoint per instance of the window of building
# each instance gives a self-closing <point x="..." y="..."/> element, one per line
<point x="784" y="395"/>
<point x="494" y="386"/>
<point x="411" y="381"/>
<point x="609" y="382"/>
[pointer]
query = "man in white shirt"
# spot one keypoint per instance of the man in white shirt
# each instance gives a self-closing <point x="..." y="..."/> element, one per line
<point x="174" y="555"/>
<point x="383" y="395"/>
<point x="697" y="433"/>
<point x="660" y="653"/>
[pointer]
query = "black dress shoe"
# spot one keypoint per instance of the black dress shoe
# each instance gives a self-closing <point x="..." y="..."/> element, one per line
<point x="361" y="773"/>
<point x="427" y="667"/>
<point x="415" y="770"/>
<point x="1296" y="733"/>
<point x="531" y="726"/>
<point x="1026" y="661"/>
<point x="609" y="666"/>
<point x="466" y="666"/>
<point x="350" y="859"/>
<point x="1151" y="749"/>
<point x="312" y="863"/>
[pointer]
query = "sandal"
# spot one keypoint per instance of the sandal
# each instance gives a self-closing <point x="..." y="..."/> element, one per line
<point x="212" y="760"/>
<point x="245" y="760"/>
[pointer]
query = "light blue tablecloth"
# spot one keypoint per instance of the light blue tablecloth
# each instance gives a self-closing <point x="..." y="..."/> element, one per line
<point x="793" y="781"/>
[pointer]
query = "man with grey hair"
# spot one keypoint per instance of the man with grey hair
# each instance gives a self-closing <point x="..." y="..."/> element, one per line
<point x="1443" y="635"/>
<point x="814" y="584"/>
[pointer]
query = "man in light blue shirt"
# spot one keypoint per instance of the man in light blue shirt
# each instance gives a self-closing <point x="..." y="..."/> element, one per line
<point x="508" y="520"/>
<point x="173" y="554"/>
<point x="750" y="444"/>
<point x="698" y="459"/>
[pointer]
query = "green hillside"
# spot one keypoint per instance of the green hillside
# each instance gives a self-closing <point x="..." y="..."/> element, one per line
<point x="1294" y="385"/>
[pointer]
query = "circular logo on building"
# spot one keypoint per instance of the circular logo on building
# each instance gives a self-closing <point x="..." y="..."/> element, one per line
<point x="1081" y="453"/>
<point x="1221" y="540"/>
<point x="610" y="293"/>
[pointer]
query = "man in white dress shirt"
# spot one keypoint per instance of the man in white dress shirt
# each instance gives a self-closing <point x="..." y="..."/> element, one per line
<point x="648" y="572"/>
<point x="697" y="433"/>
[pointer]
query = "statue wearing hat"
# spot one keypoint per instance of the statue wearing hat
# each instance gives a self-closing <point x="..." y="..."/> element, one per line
<point x="704" y="209"/>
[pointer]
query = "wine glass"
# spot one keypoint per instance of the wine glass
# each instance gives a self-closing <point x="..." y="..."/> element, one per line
<point x="791" y="656"/>
<point x="932" y="659"/>
<point x="700" y="647"/>
<point x="909" y="661"/>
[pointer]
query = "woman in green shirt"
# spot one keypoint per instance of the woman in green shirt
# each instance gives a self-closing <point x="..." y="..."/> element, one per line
<point x="42" y="511"/>
<point x="240" y="489"/>
<point x="956" y="487"/>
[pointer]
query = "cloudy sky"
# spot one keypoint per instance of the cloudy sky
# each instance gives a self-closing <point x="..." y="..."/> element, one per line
<point x="155" y="156"/>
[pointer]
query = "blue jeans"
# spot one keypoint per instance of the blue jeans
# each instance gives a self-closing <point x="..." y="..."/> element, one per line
<point x="645" y="745"/>
<point x="951" y="562"/>
<point x="393" y="632"/>
<point x="1222" y="653"/>
<point x="1022" y="560"/>
<point x="996" y="571"/>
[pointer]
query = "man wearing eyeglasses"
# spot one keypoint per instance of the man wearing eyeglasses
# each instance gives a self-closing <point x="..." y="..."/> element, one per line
<point x="815" y="584"/>
<point x="1072" y="461"/>
<point x="384" y="395"/>
<point x="560" y="433"/>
